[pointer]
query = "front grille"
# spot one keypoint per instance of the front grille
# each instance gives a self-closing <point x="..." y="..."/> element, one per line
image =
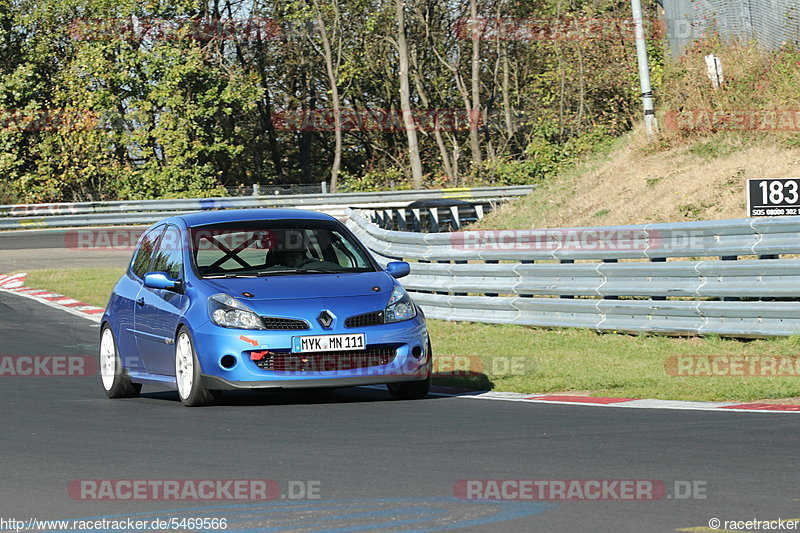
<point x="273" y="322"/>
<point x="376" y="355"/>
<point x="367" y="319"/>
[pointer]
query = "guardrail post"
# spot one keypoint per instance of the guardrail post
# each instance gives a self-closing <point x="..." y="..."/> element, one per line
<point x="729" y="258"/>
<point x="460" y="262"/>
<point x="415" y="221"/>
<point x="658" y="260"/>
<point x="566" y="262"/>
<point x="400" y="219"/>
<point x="442" y="263"/>
<point x="492" y="262"/>
<point x="454" y="213"/>
<point x="527" y="262"/>
<point x="610" y="297"/>
<point x="424" y="291"/>
<point x="324" y="187"/>
<point x="433" y="218"/>
<point x="767" y="256"/>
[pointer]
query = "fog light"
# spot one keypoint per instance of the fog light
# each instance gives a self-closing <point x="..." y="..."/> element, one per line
<point x="227" y="362"/>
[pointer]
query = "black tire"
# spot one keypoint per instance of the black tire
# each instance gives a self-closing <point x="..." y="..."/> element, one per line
<point x="413" y="390"/>
<point x="113" y="376"/>
<point x="191" y="392"/>
<point x="410" y="390"/>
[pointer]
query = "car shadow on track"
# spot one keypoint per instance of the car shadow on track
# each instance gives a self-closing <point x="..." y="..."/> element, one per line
<point x="291" y="397"/>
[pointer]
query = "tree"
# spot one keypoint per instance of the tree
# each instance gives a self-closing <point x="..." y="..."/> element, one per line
<point x="405" y="98"/>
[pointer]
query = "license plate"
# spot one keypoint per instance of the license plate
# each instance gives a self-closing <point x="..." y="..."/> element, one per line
<point x="328" y="343"/>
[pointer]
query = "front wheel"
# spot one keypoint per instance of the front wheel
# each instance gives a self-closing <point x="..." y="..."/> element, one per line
<point x="116" y="381"/>
<point x="187" y="374"/>
<point x="410" y="390"/>
<point x="413" y="390"/>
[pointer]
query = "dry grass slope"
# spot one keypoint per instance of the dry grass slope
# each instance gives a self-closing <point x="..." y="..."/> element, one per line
<point x="683" y="175"/>
<point x="704" y="180"/>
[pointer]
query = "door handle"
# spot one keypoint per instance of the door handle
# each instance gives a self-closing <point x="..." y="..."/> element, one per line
<point x="140" y="302"/>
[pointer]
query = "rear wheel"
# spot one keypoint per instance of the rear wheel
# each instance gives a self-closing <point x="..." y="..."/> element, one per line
<point x="116" y="381"/>
<point x="187" y="374"/>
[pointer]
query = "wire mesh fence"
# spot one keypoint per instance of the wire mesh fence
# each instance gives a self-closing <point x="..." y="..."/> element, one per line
<point x="289" y="188"/>
<point x="769" y="23"/>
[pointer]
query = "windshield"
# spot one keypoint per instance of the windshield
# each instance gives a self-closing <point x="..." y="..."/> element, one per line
<point x="276" y="247"/>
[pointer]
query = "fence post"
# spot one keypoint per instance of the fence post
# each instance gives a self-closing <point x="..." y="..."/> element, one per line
<point x="650" y="123"/>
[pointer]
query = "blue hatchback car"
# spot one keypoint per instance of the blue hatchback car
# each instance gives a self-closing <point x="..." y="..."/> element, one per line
<point x="260" y="298"/>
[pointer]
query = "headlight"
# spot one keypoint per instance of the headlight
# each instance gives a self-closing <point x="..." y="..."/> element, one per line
<point x="400" y="307"/>
<point x="229" y="312"/>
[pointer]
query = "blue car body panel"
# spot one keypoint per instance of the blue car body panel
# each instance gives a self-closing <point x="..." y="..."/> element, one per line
<point x="145" y="321"/>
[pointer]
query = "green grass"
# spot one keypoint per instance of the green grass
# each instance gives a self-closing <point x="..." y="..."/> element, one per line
<point x="713" y="149"/>
<point x="522" y="359"/>
<point x="90" y="285"/>
<point x="615" y="365"/>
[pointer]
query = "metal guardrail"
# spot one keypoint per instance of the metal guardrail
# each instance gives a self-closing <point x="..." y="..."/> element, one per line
<point x="431" y="218"/>
<point x="563" y="278"/>
<point x="147" y="211"/>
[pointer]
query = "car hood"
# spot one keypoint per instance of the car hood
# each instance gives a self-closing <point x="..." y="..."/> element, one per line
<point x="305" y="286"/>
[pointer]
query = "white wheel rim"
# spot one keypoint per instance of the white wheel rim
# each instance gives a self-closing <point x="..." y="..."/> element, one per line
<point x="184" y="365"/>
<point x="108" y="359"/>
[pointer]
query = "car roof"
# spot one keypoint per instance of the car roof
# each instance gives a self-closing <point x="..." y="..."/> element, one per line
<point x="241" y="215"/>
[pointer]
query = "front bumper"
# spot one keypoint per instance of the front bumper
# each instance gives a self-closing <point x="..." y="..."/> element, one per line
<point x="213" y="343"/>
<point x="218" y="383"/>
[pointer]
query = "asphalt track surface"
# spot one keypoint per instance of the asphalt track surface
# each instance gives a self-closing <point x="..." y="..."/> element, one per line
<point x="37" y="249"/>
<point x="380" y="465"/>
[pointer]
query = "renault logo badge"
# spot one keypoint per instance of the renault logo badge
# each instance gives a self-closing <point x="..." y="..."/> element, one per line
<point x="325" y="318"/>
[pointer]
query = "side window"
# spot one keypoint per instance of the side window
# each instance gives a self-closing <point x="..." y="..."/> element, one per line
<point x="169" y="257"/>
<point x="147" y="244"/>
<point x="348" y="255"/>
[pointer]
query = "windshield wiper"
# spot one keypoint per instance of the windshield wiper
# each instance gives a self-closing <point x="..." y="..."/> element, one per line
<point x="228" y="276"/>
<point x="298" y="271"/>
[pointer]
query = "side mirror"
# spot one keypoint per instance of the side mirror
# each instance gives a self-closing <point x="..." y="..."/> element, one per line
<point x="398" y="269"/>
<point x="160" y="280"/>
